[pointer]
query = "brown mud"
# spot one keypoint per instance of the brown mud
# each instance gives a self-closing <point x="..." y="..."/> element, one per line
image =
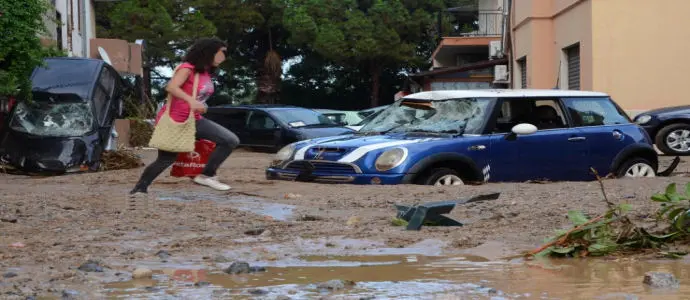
<point x="52" y="225"/>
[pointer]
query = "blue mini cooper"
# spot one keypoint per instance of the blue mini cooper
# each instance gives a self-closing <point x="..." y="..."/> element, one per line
<point x="476" y="136"/>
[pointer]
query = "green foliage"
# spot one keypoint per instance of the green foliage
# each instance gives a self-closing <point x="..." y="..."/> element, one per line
<point x="21" y="51"/>
<point x="613" y="231"/>
<point x="374" y="34"/>
<point x="168" y="26"/>
<point x="675" y="209"/>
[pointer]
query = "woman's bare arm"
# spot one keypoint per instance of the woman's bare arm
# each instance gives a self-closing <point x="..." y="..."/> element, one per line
<point x="174" y="86"/>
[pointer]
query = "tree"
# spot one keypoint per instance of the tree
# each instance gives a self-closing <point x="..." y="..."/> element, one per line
<point x="168" y="26"/>
<point x="258" y="42"/>
<point x="21" y="51"/>
<point x="374" y="34"/>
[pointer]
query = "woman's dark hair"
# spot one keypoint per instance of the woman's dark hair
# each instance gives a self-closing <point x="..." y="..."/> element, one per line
<point x="202" y="53"/>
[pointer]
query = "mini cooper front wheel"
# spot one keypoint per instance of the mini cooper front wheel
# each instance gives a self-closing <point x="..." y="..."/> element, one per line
<point x="636" y="167"/>
<point x="441" y="177"/>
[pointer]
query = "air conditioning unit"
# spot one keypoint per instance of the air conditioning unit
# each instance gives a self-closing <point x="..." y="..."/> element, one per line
<point x="495" y="49"/>
<point x="501" y="74"/>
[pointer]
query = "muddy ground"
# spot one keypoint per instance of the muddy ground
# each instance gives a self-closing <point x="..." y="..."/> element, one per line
<point x="50" y="226"/>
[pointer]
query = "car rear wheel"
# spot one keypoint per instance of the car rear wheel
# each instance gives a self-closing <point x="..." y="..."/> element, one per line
<point x="442" y="177"/>
<point x="635" y="168"/>
<point x="674" y="139"/>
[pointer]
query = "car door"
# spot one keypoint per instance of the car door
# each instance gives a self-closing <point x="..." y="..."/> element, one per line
<point x="554" y="152"/>
<point x="234" y="119"/>
<point x="263" y="129"/>
<point x="603" y="124"/>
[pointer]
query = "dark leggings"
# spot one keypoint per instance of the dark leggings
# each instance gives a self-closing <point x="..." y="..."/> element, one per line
<point x="206" y="129"/>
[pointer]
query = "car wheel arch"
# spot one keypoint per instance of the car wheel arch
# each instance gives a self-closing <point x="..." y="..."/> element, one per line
<point x="464" y="165"/>
<point x="633" y="151"/>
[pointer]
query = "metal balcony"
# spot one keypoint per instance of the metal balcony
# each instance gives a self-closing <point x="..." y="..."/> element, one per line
<point x="463" y="23"/>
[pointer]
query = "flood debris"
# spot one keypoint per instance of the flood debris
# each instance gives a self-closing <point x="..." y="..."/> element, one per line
<point x="120" y="159"/>
<point x="661" y="280"/>
<point x="431" y="213"/>
<point x="139" y="133"/>
<point x="613" y="231"/>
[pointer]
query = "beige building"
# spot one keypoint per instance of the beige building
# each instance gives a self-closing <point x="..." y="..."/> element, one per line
<point x="632" y="49"/>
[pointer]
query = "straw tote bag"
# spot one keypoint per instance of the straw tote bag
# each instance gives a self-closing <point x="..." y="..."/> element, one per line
<point x="172" y="136"/>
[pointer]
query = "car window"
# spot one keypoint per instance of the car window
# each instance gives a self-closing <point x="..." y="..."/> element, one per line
<point x="260" y="120"/>
<point x="595" y="111"/>
<point x="545" y="114"/>
<point x="299" y="117"/>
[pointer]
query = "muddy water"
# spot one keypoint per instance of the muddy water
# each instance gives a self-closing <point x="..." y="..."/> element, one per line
<point x="256" y="205"/>
<point x="413" y="277"/>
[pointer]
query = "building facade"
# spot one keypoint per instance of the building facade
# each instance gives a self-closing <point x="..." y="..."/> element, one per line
<point x="469" y="55"/>
<point x="632" y="50"/>
<point x="71" y="25"/>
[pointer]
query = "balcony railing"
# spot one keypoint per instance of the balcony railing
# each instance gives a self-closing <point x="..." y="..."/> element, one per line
<point x="471" y="23"/>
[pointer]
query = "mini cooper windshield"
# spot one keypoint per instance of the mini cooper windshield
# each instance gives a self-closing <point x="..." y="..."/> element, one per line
<point x="466" y="115"/>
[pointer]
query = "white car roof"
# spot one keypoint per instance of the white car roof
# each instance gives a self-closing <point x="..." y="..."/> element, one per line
<point x="501" y="93"/>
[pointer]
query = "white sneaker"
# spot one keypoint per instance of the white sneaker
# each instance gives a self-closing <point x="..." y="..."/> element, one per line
<point x="211" y="182"/>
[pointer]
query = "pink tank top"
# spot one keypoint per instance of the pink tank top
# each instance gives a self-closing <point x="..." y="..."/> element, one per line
<point x="179" y="108"/>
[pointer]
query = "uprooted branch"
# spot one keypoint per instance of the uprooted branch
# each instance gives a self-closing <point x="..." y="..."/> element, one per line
<point x="613" y="231"/>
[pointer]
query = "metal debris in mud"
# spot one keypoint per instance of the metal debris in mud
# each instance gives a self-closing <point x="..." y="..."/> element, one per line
<point x="432" y="213"/>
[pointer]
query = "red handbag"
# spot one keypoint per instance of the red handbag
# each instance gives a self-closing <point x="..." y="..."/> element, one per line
<point x="191" y="164"/>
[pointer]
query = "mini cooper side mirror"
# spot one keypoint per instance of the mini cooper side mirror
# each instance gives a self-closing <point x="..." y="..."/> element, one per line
<point x="521" y="129"/>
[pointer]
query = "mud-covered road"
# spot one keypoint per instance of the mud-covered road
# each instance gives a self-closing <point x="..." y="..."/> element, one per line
<point x="50" y="226"/>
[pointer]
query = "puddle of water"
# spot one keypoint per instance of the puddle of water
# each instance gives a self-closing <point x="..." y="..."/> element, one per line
<point x="417" y="277"/>
<point x="277" y="211"/>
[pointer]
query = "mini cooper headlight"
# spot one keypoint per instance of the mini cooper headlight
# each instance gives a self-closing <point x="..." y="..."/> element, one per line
<point x="643" y="119"/>
<point x="390" y="159"/>
<point x="285" y="153"/>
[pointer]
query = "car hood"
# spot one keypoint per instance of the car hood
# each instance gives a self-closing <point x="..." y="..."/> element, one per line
<point x="685" y="109"/>
<point x="351" y="147"/>
<point x="317" y="132"/>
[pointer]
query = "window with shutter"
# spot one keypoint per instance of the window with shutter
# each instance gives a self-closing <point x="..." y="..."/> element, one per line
<point x="573" y="55"/>
<point x="522" y="65"/>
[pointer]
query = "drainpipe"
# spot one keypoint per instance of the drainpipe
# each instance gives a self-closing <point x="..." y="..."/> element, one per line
<point x="84" y="38"/>
<point x="504" y="39"/>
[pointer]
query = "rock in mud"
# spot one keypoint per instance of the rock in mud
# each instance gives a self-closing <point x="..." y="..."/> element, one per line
<point x="335" y="285"/>
<point x="69" y="294"/>
<point x="91" y="266"/>
<point x="258" y="292"/>
<point x="202" y="283"/>
<point x="661" y="280"/>
<point x="9" y="219"/>
<point x="238" y="267"/>
<point x="142" y="273"/>
<point x="241" y="267"/>
<point x="9" y="275"/>
<point x="220" y="259"/>
<point x="163" y="254"/>
<point x="255" y="231"/>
